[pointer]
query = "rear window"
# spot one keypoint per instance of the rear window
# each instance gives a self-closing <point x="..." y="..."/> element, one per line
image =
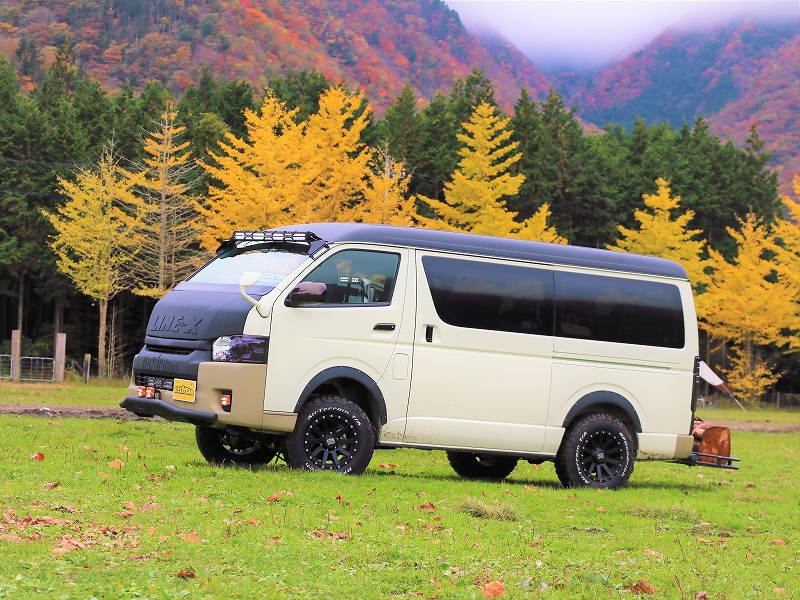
<point x="491" y="296"/>
<point x="611" y="309"/>
<point x="272" y="265"/>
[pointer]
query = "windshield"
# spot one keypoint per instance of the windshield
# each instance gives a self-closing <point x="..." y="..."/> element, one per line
<point x="272" y="265"/>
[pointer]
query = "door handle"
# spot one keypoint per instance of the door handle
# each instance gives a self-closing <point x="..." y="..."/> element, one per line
<point x="384" y="326"/>
<point x="429" y="333"/>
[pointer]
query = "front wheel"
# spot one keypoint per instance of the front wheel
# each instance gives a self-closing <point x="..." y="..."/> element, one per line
<point x="220" y="447"/>
<point x="481" y="466"/>
<point x="331" y="434"/>
<point x="597" y="451"/>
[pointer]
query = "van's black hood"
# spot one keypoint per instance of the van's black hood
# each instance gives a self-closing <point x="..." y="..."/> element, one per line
<point x="201" y="311"/>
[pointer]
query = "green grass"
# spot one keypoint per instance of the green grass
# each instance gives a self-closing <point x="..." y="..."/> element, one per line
<point x="752" y="414"/>
<point x="107" y="392"/>
<point x="409" y="528"/>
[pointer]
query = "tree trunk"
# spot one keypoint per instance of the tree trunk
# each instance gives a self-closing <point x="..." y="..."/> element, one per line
<point x="58" y="320"/>
<point x="101" y="340"/>
<point x="21" y="300"/>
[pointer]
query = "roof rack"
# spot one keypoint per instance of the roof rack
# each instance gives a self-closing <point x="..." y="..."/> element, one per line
<point x="275" y="236"/>
<point x="286" y="237"/>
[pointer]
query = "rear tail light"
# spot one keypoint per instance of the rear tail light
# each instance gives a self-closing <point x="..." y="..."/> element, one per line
<point x="150" y="392"/>
<point x="225" y="399"/>
<point x="140" y="391"/>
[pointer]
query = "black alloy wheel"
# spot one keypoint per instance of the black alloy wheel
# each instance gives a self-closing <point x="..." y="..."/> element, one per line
<point x="598" y="451"/>
<point x="221" y="447"/>
<point x="331" y="434"/>
<point x="481" y="466"/>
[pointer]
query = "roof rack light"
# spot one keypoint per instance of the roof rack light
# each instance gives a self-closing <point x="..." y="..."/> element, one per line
<point x="276" y="236"/>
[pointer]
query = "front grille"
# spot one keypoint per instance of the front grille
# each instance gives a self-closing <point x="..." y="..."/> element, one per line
<point x="160" y="383"/>
<point x="169" y="350"/>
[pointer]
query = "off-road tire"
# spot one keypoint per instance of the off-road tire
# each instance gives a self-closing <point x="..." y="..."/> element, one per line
<point x="219" y="447"/>
<point x="598" y="451"/>
<point x="331" y="434"/>
<point x="482" y="466"/>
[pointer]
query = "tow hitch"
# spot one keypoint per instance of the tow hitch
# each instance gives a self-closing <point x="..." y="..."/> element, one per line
<point x="712" y="447"/>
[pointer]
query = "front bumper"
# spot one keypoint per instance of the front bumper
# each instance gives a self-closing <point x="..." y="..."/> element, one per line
<point x="146" y="407"/>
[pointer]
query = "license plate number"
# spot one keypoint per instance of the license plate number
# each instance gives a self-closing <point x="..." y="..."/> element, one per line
<point x="183" y="390"/>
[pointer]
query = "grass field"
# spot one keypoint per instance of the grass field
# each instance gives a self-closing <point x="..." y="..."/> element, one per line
<point x="107" y="392"/>
<point x="79" y="524"/>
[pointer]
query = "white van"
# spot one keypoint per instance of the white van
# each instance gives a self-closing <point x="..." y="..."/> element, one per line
<point x="325" y="341"/>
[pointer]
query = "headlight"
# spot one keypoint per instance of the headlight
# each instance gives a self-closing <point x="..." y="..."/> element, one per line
<point x="240" y="349"/>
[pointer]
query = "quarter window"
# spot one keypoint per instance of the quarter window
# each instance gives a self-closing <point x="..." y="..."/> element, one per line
<point x="498" y="297"/>
<point x="357" y="277"/>
<point x="611" y="309"/>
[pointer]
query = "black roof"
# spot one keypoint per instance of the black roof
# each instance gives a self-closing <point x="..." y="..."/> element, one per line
<point x="484" y="245"/>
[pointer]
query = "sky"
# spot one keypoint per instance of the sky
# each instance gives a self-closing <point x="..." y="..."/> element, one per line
<point x="581" y="34"/>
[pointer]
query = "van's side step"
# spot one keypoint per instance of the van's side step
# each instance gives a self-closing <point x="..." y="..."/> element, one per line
<point x="715" y="461"/>
<point x="151" y="407"/>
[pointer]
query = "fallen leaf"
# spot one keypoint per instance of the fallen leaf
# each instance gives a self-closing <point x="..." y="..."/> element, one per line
<point x="601" y="510"/>
<point x="750" y="486"/>
<point x="184" y="574"/>
<point x="37" y="456"/>
<point x="777" y="590"/>
<point x="323" y="533"/>
<point x="140" y="556"/>
<point x="429" y="506"/>
<point x="254" y="522"/>
<point x="705" y="541"/>
<point x="68" y="508"/>
<point x="67" y="544"/>
<point x="125" y="514"/>
<point x="275" y="539"/>
<point x="778" y="543"/>
<point x="56" y="423"/>
<point x="150" y="506"/>
<point x="50" y="485"/>
<point x="129" y="506"/>
<point x="642" y="587"/>
<point x="652" y="553"/>
<point x="387" y="465"/>
<point x="339" y="497"/>
<point x="274" y="497"/>
<point x="170" y="467"/>
<point x="122" y="447"/>
<point x="192" y="538"/>
<point x="116" y="464"/>
<point x="494" y="589"/>
<point x="701" y="595"/>
<point x="50" y="521"/>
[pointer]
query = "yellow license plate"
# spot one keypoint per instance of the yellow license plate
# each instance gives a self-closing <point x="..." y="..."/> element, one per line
<point x="183" y="390"/>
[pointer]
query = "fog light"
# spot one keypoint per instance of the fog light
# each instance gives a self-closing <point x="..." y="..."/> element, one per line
<point x="150" y="392"/>
<point x="140" y="391"/>
<point x="225" y="400"/>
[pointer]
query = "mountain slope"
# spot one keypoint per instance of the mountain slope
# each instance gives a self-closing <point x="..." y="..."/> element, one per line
<point x="376" y="44"/>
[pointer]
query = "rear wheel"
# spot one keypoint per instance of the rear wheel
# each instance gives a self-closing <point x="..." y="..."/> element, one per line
<point x="482" y="466"/>
<point x="331" y="434"/>
<point x="221" y="447"/>
<point x="597" y="451"/>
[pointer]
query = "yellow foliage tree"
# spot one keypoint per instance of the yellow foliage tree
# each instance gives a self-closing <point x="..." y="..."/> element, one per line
<point x="384" y="200"/>
<point x="661" y="235"/>
<point x="474" y="198"/>
<point x="788" y="233"/>
<point x="288" y="172"/>
<point x="168" y="218"/>
<point x="95" y="235"/>
<point x="748" y="375"/>
<point x="749" y="302"/>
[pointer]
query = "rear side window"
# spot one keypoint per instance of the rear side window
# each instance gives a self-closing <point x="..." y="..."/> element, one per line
<point x="357" y="276"/>
<point x="610" y="309"/>
<point x="482" y="295"/>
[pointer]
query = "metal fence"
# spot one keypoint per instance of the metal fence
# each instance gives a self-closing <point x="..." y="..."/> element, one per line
<point x="5" y="366"/>
<point x="37" y="368"/>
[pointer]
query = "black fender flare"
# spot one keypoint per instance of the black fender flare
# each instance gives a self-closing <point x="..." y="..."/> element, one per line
<point x="600" y="398"/>
<point x="375" y="396"/>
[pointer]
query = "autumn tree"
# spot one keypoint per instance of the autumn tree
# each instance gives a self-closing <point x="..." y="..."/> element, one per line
<point x="95" y="235"/>
<point x="385" y="199"/>
<point x="164" y="180"/>
<point x="659" y="234"/>
<point x="474" y="199"/>
<point x="288" y="172"/>
<point x="750" y="303"/>
<point x="787" y="231"/>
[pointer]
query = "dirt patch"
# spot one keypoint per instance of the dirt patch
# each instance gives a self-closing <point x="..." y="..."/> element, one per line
<point x="82" y="412"/>
<point x="762" y="427"/>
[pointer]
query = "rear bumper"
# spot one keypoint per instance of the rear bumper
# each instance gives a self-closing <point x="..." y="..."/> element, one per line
<point x="147" y="407"/>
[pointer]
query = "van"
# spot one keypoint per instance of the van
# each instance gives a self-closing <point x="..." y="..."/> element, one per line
<point x="322" y="342"/>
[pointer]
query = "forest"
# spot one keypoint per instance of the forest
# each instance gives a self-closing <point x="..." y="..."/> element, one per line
<point x="161" y="179"/>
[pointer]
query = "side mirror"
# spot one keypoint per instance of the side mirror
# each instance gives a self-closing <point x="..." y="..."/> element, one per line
<point x="307" y="292"/>
<point x="249" y="279"/>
